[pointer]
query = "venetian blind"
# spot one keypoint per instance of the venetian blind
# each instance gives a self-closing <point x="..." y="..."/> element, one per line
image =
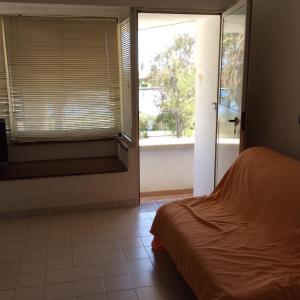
<point x="63" y="78"/>
<point x="126" y="77"/>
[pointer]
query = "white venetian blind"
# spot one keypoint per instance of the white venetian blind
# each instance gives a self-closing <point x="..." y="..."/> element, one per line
<point x="126" y="77"/>
<point x="63" y="78"/>
<point x="4" y="107"/>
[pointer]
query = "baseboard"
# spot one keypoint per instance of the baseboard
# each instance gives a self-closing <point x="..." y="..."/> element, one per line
<point x="68" y="208"/>
<point x="166" y="193"/>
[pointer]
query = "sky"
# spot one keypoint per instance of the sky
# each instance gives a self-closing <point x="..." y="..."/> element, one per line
<point x="155" y="40"/>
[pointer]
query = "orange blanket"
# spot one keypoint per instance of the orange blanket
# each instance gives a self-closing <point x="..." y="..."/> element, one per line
<point x="243" y="241"/>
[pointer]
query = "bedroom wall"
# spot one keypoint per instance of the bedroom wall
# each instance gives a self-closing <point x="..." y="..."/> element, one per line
<point x="274" y="76"/>
<point x="119" y="189"/>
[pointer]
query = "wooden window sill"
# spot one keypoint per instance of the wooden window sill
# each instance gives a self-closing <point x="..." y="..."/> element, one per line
<point x="61" y="167"/>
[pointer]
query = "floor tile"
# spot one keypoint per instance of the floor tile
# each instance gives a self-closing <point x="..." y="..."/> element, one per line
<point x="97" y="255"/>
<point x="60" y="290"/>
<point x="108" y="245"/>
<point x="143" y="279"/>
<point x="8" y="282"/>
<point x="83" y="259"/>
<point x="30" y="293"/>
<point x="59" y="262"/>
<point x="32" y="266"/>
<point x="31" y="254"/>
<point x="135" y="253"/>
<point x="88" y="287"/>
<point x="10" y="256"/>
<point x="31" y="279"/>
<point x="98" y="296"/>
<point x="60" y="276"/>
<point x="139" y="265"/>
<point x="123" y="295"/>
<point x="87" y="272"/>
<point x="6" y="295"/>
<point x="130" y="243"/>
<point x="9" y="269"/>
<point x="117" y="283"/>
<point x="114" y="268"/>
<point x="111" y="256"/>
<point x="57" y="251"/>
<point x="35" y="243"/>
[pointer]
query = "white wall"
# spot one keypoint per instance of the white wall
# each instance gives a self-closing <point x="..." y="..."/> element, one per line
<point x="274" y="88"/>
<point x="166" y="167"/>
<point x="188" y="4"/>
<point x="115" y="187"/>
<point x="206" y="93"/>
<point x="35" y="194"/>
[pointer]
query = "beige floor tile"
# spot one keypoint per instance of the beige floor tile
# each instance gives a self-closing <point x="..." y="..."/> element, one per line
<point x="117" y="283"/>
<point x="87" y="272"/>
<point x="139" y="265"/>
<point x="135" y="253"/>
<point x="59" y="262"/>
<point x="32" y="266"/>
<point x="130" y="243"/>
<point x="60" y="276"/>
<point x="114" y="268"/>
<point x="88" y="287"/>
<point x="84" y="248"/>
<point x="108" y="245"/>
<point x="123" y="295"/>
<point x="35" y="243"/>
<point x="13" y="246"/>
<point x="111" y="256"/>
<point x="60" y="290"/>
<point x="30" y="293"/>
<point x="153" y="292"/>
<point x="10" y="256"/>
<point x="38" y="234"/>
<point x="31" y="279"/>
<point x="84" y="260"/>
<point x="81" y="255"/>
<point x="8" y="282"/>
<point x="59" y="240"/>
<point x="6" y="295"/>
<point x="39" y="253"/>
<point x="98" y="296"/>
<point x="58" y="251"/>
<point x="9" y="269"/>
<point x="143" y="279"/>
<point x="19" y="236"/>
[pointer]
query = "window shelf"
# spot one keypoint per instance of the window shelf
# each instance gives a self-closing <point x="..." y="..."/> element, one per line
<point x="61" y="167"/>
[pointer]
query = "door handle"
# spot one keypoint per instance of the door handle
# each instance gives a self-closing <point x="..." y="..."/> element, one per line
<point x="235" y="120"/>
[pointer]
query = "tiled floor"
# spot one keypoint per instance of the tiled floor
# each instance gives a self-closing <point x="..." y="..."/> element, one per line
<point x="97" y="255"/>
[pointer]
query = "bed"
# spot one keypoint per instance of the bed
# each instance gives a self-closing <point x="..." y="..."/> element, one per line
<point x="242" y="242"/>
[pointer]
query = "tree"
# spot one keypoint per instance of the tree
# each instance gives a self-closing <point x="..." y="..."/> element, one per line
<point x="232" y="68"/>
<point x="173" y="71"/>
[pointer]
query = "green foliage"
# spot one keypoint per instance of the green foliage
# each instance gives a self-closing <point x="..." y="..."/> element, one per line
<point x="173" y="70"/>
<point x="232" y="66"/>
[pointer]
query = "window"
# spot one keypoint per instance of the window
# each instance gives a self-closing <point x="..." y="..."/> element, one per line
<point x="62" y="77"/>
